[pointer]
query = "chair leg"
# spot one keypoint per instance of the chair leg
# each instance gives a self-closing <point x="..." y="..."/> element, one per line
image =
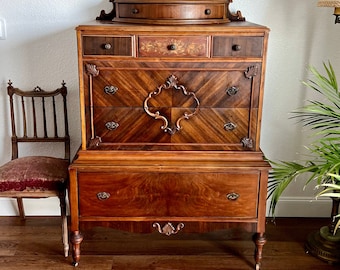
<point x="21" y="208"/>
<point x="64" y="228"/>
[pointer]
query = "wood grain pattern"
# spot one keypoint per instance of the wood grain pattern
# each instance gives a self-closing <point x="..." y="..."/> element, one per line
<point x="168" y="195"/>
<point x="203" y="85"/>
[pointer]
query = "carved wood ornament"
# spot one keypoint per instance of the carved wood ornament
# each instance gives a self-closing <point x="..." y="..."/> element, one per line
<point x="171" y="83"/>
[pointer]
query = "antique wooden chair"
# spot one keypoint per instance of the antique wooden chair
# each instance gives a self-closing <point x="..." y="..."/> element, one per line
<point x="38" y="117"/>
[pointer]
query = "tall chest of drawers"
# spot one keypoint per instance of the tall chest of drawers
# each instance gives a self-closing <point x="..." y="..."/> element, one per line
<point x="171" y="120"/>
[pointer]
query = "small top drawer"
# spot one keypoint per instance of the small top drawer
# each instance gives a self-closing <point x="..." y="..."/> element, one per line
<point x="107" y="45"/>
<point x="171" y="11"/>
<point x="232" y="46"/>
<point x="180" y="46"/>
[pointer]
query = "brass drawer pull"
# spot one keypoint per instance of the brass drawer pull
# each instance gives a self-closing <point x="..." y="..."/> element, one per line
<point x="110" y="89"/>
<point x="230" y="126"/>
<point x="232" y="91"/>
<point x="233" y="196"/>
<point x="172" y="47"/>
<point x="134" y="11"/>
<point x="107" y="46"/>
<point x="168" y="229"/>
<point x="207" y="11"/>
<point x="236" y="47"/>
<point x="112" y="125"/>
<point x="102" y="196"/>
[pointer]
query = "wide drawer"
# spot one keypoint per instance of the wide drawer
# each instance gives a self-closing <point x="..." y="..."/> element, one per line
<point x="176" y="46"/>
<point x="209" y="126"/>
<point x="213" y="88"/>
<point x="136" y="194"/>
<point x="182" y="13"/>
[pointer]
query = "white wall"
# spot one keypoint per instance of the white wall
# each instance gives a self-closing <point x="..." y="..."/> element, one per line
<point x="40" y="49"/>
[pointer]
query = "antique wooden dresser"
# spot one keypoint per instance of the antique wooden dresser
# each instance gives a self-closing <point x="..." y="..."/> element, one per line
<point x="171" y="118"/>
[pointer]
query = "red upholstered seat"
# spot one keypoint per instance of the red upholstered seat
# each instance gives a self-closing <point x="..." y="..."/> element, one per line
<point x="33" y="173"/>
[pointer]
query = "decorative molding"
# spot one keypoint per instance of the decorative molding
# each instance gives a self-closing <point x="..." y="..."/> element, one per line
<point x="92" y="70"/>
<point x="168" y="229"/>
<point x="107" y="16"/>
<point x="251" y="72"/>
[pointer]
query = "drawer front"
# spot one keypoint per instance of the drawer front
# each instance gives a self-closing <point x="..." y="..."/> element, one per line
<point x="235" y="46"/>
<point x="205" y="106"/>
<point x="208" y="126"/>
<point x="133" y="194"/>
<point x="171" y="11"/>
<point x="107" y="45"/>
<point x="177" y="46"/>
<point x="216" y="89"/>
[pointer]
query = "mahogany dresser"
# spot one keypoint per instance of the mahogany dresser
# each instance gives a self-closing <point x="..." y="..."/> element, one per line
<point x="170" y="118"/>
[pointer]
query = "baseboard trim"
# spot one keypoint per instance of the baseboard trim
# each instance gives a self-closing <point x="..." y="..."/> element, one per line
<point x="303" y="207"/>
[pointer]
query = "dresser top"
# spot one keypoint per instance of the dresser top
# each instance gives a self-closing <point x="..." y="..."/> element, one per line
<point x="230" y="27"/>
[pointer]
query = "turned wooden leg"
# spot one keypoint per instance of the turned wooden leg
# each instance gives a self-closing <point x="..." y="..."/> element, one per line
<point x="76" y="240"/>
<point x="21" y="208"/>
<point x="259" y="240"/>
<point x="64" y="222"/>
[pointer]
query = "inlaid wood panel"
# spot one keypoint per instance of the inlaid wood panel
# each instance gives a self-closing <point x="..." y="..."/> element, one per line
<point x="174" y="46"/>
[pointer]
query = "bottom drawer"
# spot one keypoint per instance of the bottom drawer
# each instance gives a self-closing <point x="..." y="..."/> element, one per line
<point x="136" y="194"/>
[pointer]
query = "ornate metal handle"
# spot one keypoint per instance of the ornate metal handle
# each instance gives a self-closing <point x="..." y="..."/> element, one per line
<point x="112" y="125"/>
<point x="232" y="91"/>
<point x="230" y="126"/>
<point x="102" y="196"/>
<point x="233" y="196"/>
<point x="168" y="229"/>
<point x="236" y="47"/>
<point x="107" y="46"/>
<point x="110" y="89"/>
<point x="171" y="82"/>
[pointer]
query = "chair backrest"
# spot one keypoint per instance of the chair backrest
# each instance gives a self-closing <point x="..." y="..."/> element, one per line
<point x="38" y="116"/>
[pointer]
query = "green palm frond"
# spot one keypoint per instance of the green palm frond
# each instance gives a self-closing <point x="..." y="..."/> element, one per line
<point x="322" y="116"/>
<point x="323" y="162"/>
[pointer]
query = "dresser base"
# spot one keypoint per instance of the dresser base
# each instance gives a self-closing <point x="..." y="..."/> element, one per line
<point x="168" y="192"/>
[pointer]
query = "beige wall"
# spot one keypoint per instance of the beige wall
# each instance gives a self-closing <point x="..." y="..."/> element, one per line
<point x="40" y="49"/>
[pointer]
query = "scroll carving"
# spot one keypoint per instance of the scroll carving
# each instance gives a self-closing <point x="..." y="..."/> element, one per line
<point x="235" y="16"/>
<point x="92" y="70"/>
<point x="171" y="82"/>
<point x="247" y="143"/>
<point x="168" y="229"/>
<point x="107" y="16"/>
<point x="251" y="72"/>
<point x="95" y="142"/>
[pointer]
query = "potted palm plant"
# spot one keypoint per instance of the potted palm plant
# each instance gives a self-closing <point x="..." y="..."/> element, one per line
<point x="322" y="165"/>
